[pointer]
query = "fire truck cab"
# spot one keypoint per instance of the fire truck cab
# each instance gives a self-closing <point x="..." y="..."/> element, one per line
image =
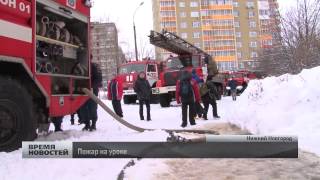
<point x="44" y="64"/>
<point x="128" y="74"/>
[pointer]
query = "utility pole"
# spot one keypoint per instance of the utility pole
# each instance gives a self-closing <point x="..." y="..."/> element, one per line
<point x="134" y="31"/>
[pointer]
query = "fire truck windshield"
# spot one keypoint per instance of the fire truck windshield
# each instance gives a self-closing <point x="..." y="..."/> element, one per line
<point x="174" y="63"/>
<point x="237" y="75"/>
<point x="132" y="68"/>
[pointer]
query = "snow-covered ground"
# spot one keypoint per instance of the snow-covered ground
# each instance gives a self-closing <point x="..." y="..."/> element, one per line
<point x="285" y="105"/>
<point x="13" y="167"/>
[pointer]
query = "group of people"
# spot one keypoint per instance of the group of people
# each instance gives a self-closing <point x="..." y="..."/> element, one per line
<point x="190" y="91"/>
<point x="141" y="87"/>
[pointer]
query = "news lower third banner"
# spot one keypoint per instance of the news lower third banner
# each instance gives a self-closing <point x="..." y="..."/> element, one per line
<point x="211" y="146"/>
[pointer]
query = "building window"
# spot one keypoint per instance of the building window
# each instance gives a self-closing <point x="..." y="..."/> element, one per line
<point x="253" y="34"/>
<point x="267" y="42"/>
<point x="196" y="24"/>
<point x="193" y="4"/>
<point x="239" y="55"/>
<point x="263" y="12"/>
<point x="241" y="65"/>
<point x="238" y="34"/>
<point x="183" y="25"/>
<point x="184" y="35"/>
<point x="183" y="14"/>
<point x="196" y="35"/>
<point x="250" y="4"/>
<point x="239" y="44"/>
<point x="254" y="54"/>
<point x="252" y="24"/>
<point x="251" y="14"/>
<point x="235" y="4"/>
<point x="182" y="4"/>
<point x="194" y="14"/>
<point x="197" y="45"/>
<point x="253" y="44"/>
<point x="237" y="24"/>
<point x="236" y="13"/>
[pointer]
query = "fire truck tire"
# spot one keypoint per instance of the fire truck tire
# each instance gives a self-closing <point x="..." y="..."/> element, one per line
<point x="154" y="99"/>
<point x="126" y="100"/>
<point x="129" y="99"/>
<point x="16" y="115"/>
<point x="165" y="100"/>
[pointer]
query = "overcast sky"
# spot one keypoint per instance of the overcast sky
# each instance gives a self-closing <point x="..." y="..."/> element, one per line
<point x="121" y="13"/>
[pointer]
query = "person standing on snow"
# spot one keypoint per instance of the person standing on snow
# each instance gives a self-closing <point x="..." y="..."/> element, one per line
<point x="115" y="91"/>
<point x="208" y="97"/>
<point x="89" y="110"/>
<point x="232" y="83"/>
<point x="187" y="93"/>
<point x="198" y="107"/>
<point x="143" y="90"/>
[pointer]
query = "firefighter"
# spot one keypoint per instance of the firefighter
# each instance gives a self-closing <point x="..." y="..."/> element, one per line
<point x="198" y="107"/>
<point x="143" y="90"/>
<point x="57" y="121"/>
<point x="88" y="111"/>
<point x="79" y="118"/>
<point x="187" y="93"/>
<point x="209" y="95"/>
<point x="232" y="83"/>
<point x="115" y="91"/>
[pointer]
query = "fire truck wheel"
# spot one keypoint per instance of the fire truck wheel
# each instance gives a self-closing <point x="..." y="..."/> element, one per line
<point x="129" y="99"/>
<point x="154" y="99"/>
<point x="165" y="100"/>
<point x="126" y="99"/>
<point x="16" y="115"/>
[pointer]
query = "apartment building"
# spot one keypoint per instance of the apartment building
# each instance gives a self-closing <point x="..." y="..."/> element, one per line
<point x="233" y="31"/>
<point x="105" y="49"/>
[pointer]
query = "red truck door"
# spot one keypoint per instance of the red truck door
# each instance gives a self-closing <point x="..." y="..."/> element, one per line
<point x="152" y="73"/>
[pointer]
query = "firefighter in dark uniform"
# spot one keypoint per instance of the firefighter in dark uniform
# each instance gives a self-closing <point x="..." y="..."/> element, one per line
<point x="88" y="111"/>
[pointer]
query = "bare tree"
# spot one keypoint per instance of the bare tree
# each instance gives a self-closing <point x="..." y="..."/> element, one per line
<point x="299" y="46"/>
<point x="300" y="35"/>
<point x="146" y="51"/>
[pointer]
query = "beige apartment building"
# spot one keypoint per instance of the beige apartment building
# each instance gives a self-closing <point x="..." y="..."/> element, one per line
<point x="105" y="49"/>
<point x="233" y="31"/>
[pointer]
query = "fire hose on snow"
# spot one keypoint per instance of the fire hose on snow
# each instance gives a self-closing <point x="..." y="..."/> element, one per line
<point x="137" y="128"/>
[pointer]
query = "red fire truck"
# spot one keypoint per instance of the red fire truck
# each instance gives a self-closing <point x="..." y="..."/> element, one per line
<point x="242" y="78"/>
<point x="44" y="64"/>
<point x="188" y="57"/>
<point x="128" y="74"/>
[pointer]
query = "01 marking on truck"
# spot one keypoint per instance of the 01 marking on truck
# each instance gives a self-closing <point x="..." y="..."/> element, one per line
<point x="21" y="5"/>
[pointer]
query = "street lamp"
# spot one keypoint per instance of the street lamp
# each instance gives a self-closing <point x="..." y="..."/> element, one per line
<point x="134" y="31"/>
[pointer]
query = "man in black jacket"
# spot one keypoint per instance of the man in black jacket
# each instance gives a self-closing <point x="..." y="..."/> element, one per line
<point x="232" y="83"/>
<point x="143" y="90"/>
<point x="210" y="98"/>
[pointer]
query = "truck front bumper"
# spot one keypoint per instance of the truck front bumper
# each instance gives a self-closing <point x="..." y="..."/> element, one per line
<point x="163" y="90"/>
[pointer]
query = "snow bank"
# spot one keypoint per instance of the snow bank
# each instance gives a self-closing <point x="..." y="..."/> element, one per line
<point x="285" y="105"/>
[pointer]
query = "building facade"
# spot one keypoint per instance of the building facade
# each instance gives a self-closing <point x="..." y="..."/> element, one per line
<point x="105" y="49"/>
<point x="233" y="31"/>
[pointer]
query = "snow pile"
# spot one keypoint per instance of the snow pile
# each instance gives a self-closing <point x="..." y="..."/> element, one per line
<point x="285" y="105"/>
